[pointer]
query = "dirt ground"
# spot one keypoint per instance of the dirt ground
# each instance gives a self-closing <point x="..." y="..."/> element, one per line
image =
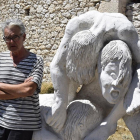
<point x="122" y="132"/>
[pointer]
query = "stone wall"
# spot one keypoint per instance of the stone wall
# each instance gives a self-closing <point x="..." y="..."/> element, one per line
<point x="133" y="14"/>
<point x="45" y="21"/>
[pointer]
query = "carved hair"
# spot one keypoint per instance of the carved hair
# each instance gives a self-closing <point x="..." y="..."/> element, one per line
<point x="117" y="50"/>
<point x="13" y="22"/>
<point x="82" y="57"/>
<point x="80" y="114"/>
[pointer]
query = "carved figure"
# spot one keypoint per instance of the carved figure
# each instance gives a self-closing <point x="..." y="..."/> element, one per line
<point x="84" y="116"/>
<point x="114" y="67"/>
<point x="115" y="73"/>
<point x="99" y="29"/>
<point x="75" y="64"/>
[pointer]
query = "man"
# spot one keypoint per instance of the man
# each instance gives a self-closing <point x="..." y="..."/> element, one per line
<point x="20" y="81"/>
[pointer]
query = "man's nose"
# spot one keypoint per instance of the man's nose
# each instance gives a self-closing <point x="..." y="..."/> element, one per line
<point x="11" y="40"/>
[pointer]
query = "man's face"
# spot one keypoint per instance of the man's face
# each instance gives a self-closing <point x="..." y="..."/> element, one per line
<point x="111" y="92"/>
<point x="14" y="39"/>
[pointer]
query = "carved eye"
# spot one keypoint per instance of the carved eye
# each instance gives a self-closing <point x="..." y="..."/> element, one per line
<point x="113" y="75"/>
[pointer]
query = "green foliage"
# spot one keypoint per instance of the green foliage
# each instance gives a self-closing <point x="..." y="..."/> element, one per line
<point x="46" y="88"/>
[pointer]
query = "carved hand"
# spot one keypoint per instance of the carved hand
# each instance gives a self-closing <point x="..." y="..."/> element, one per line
<point x="131" y="102"/>
<point x="102" y="132"/>
<point x="56" y="117"/>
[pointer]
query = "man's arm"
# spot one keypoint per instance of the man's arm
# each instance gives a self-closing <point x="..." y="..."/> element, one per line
<point x="16" y="91"/>
<point x="6" y="96"/>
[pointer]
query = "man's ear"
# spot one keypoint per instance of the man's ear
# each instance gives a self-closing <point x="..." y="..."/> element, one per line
<point x="24" y="37"/>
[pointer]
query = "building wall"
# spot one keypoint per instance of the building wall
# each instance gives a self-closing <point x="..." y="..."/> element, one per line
<point x="133" y="14"/>
<point x="45" y="21"/>
<point x="111" y="7"/>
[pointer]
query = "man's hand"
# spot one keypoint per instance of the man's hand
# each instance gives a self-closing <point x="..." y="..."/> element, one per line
<point x="29" y="79"/>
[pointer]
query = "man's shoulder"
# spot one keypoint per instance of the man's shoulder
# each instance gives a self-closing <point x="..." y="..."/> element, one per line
<point x="35" y="57"/>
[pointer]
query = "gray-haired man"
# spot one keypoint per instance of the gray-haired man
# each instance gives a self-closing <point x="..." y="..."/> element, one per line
<point x="20" y="80"/>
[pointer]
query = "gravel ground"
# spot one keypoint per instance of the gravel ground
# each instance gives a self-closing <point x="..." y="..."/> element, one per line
<point x="122" y="132"/>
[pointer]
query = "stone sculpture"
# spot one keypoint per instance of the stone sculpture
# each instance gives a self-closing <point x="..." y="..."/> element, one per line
<point x="75" y="64"/>
<point x="115" y="73"/>
<point x="114" y="67"/>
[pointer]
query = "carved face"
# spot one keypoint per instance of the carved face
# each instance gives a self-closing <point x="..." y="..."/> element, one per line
<point x="108" y="77"/>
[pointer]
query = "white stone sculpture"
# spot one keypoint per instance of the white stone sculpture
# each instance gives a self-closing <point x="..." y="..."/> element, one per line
<point x="75" y="64"/>
<point x="83" y="116"/>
